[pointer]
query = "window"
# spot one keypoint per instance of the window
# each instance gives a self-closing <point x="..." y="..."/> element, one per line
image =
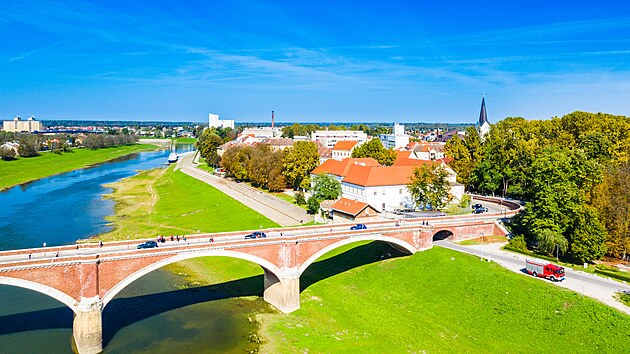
<point x="383" y="206"/>
<point x="400" y="191"/>
<point x="374" y="192"/>
<point x="383" y="192"/>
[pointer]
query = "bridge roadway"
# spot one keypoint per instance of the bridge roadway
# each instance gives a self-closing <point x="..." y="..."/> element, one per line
<point x="87" y="276"/>
<point x="225" y="239"/>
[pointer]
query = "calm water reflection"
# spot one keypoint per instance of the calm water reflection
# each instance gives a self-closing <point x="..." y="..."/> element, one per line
<point x="63" y="208"/>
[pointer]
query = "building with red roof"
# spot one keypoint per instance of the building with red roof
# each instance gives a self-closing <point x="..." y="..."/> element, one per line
<point x="346" y="209"/>
<point x="343" y="149"/>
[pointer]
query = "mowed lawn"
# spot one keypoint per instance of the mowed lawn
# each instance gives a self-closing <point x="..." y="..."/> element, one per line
<point x="437" y="301"/>
<point x="23" y="170"/>
<point x="164" y="201"/>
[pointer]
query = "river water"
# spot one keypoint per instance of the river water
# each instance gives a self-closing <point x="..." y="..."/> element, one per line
<point x="152" y="315"/>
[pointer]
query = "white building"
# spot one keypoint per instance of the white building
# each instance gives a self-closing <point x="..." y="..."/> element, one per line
<point x="18" y="125"/>
<point x="215" y="122"/>
<point x="343" y="149"/>
<point x="331" y="137"/>
<point x="263" y="132"/>
<point x="382" y="187"/>
<point x="397" y="140"/>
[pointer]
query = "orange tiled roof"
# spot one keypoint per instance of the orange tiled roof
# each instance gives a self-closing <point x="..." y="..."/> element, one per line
<point x="349" y="206"/>
<point x="340" y="168"/>
<point x="345" y="145"/>
<point x="369" y="176"/>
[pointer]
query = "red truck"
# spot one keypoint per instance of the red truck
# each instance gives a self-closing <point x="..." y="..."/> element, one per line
<point x="545" y="270"/>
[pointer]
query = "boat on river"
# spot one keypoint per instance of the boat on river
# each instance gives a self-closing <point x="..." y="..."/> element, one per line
<point x="173" y="157"/>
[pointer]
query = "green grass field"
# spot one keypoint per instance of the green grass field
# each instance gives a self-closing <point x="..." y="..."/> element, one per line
<point x="47" y="164"/>
<point x="439" y="301"/>
<point x="163" y="201"/>
<point x="436" y="301"/>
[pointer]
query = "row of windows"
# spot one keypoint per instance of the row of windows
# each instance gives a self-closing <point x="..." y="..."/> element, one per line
<point x="361" y="191"/>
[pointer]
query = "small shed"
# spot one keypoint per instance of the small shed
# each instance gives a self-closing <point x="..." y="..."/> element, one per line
<point x="346" y="209"/>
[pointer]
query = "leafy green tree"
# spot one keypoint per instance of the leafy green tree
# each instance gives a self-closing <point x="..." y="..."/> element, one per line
<point x="326" y="187"/>
<point x="550" y="240"/>
<point x="207" y="145"/>
<point x="374" y="149"/>
<point x="588" y="235"/>
<point x="299" y="161"/>
<point x="312" y="205"/>
<point x="429" y="186"/>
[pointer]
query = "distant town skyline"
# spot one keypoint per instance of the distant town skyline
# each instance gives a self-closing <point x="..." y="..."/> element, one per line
<point x="323" y="62"/>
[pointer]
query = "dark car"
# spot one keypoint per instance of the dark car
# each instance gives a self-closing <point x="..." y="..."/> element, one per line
<point x="148" y="244"/>
<point x="476" y="206"/>
<point x="480" y="210"/>
<point x="358" y="227"/>
<point x="256" y="234"/>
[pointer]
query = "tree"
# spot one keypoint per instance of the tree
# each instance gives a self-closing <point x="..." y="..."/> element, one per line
<point x="207" y="145"/>
<point x="588" y="235"/>
<point x="466" y="154"/>
<point x="299" y="161"/>
<point x="550" y="240"/>
<point x="429" y="186"/>
<point x="374" y="149"/>
<point x="326" y="187"/>
<point x="235" y="161"/>
<point x="613" y="202"/>
<point x="28" y="146"/>
<point x="7" y="153"/>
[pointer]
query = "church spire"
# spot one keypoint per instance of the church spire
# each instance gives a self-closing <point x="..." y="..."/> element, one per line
<point x="483" y="118"/>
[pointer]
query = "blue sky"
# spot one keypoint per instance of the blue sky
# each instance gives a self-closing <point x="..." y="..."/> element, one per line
<point x="323" y="61"/>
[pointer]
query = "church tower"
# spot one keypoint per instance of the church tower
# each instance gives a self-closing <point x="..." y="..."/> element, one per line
<point x="483" y="126"/>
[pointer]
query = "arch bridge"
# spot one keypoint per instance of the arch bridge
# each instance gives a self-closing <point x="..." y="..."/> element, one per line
<point x="86" y="277"/>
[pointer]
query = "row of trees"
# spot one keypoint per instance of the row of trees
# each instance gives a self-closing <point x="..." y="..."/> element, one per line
<point x="98" y="141"/>
<point x="273" y="170"/>
<point x="571" y="171"/>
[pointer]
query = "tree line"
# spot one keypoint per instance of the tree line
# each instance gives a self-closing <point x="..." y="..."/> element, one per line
<point x="573" y="173"/>
<point x="30" y="145"/>
<point x="264" y="167"/>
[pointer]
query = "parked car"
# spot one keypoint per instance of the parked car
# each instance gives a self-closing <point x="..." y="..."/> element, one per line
<point x="476" y="206"/>
<point x="148" y="244"/>
<point x="480" y="210"/>
<point x="358" y="227"/>
<point x="256" y="234"/>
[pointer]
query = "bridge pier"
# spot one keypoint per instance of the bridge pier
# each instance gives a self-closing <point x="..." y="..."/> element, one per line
<point x="283" y="293"/>
<point x="87" y="328"/>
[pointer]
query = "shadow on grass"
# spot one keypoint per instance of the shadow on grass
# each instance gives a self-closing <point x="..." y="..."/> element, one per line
<point x="122" y="312"/>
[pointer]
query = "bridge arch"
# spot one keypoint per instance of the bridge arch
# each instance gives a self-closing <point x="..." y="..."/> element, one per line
<point x="43" y="289"/>
<point x="266" y="265"/>
<point x="442" y="235"/>
<point x="392" y="241"/>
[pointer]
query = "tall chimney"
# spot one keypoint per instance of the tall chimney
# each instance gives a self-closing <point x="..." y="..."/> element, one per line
<point x="271" y="119"/>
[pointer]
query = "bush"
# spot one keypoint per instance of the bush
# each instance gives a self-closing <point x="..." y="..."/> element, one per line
<point x="313" y="205"/>
<point x="518" y="243"/>
<point x="299" y="198"/>
<point x="465" y="202"/>
<point x="7" y="153"/>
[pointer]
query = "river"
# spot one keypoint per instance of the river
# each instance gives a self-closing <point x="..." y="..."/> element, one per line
<point x="152" y="315"/>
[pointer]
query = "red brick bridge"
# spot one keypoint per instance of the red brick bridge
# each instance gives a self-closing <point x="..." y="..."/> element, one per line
<point x="86" y="277"/>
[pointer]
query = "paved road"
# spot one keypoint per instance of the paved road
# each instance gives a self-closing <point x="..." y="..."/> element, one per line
<point x="594" y="286"/>
<point x="279" y="211"/>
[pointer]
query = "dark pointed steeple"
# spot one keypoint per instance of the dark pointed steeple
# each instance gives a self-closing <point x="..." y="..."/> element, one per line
<point x="483" y="118"/>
